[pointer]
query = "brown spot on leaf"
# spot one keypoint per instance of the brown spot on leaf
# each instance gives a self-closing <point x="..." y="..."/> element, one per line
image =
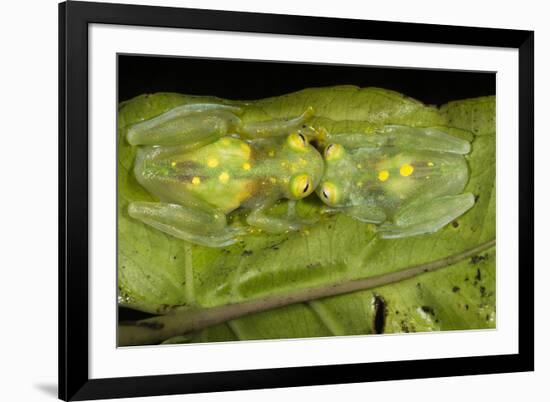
<point x="379" y="314"/>
<point x="428" y="310"/>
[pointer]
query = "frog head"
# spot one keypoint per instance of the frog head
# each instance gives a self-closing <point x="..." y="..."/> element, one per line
<point x="333" y="189"/>
<point x="302" y="167"/>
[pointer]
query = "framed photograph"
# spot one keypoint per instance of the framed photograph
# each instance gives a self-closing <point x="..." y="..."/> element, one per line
<point x="258" y="200"/>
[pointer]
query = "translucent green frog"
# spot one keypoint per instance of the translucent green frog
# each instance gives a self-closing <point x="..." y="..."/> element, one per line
<point x="203" y="163"/>
<point x="410" y="181"/>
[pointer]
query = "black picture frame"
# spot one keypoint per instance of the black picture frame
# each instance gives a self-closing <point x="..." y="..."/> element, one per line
<point x="74" y="18"/>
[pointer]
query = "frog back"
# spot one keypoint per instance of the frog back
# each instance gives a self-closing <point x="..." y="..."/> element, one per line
<point x="391" y="178"/>
<point x="217" y="173"/>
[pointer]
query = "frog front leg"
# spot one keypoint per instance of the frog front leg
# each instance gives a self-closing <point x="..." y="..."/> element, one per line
<point x="363" y="213"/>
<point x="426" y="216"/>
<point x="290" y="222"/>
<point x="198" y="223"/>
<point x="278" y="127"/>
<point x="366" y="213"/>
<point x="186" y="124"/>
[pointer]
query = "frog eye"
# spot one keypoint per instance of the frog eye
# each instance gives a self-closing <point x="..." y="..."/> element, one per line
<point x="300" y="186"/>
<point x="330" y="194"/>
<point x="297" y="141"/>
<point x="334" y="152"/>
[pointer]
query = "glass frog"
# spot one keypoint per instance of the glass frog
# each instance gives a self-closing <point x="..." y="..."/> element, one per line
<point x="410" y="181"/>
<point x="203" y="163"/>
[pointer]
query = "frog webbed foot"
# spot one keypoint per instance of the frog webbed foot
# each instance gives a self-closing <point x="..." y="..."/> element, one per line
<point x="203" y="226"/>
<point x="427" y="217"/>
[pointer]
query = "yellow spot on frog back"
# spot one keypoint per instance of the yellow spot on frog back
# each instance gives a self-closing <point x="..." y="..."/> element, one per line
<point x="246" y="149"/>
<point x="246" y="166"/>
<point x="212" y="162"/>
<point x="173" y="164"/>
<point x="196" y="180"/>
<point x="383" y="175"/>
<point x="430" y="164"/>
<point x="224" y="177"/>
<point x="406" y="170"/>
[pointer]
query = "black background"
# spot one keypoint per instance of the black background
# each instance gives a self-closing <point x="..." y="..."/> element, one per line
<point x="236" y="79"/>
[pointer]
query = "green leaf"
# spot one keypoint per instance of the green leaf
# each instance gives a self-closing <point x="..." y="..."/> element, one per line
<point x="158" y="272"/>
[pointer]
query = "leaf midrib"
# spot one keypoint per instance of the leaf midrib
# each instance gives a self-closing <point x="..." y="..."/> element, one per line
<point x="157" y="329"/>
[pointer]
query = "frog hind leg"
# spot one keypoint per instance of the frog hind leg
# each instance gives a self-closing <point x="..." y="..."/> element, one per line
<point x="426" y="217"/>
<point x="186" y="124"/>
<point x="424" y="138"/>
<point x="259" y="218"/>
<point x="200" y="225"/>
<point x="419" y="138"/>
<point x="152" y="153"/>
